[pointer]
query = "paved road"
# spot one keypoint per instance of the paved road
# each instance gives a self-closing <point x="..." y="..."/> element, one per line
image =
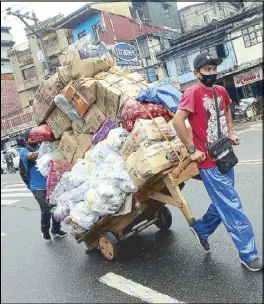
<point x="171" y="264"/>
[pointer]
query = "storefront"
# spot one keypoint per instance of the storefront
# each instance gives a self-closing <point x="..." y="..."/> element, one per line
<point x="249" y="83"/>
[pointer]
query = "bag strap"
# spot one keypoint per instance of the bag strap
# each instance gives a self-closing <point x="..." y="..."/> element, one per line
<point x="217" y="115"/>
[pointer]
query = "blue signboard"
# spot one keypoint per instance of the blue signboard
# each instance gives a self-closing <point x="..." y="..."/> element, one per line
<point x="126" y="54"/>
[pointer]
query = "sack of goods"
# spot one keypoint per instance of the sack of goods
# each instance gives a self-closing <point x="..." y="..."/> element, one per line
<point x="99" y="144"/>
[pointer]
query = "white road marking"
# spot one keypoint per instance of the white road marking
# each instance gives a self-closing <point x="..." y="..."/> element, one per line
<point x="15" y="185"/>
<point x="8" y="202"/>
<point x="3" y="234"/>
<point x="136" y="290"/>
<point x="250" y="162"/>
<point x="13" y="190"/>
<point x="16" y="195"/>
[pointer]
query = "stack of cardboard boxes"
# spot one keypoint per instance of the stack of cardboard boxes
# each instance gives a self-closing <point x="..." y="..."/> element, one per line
<point x="97" y="91"/>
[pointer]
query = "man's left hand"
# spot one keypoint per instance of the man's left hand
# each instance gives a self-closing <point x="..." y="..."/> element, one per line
<point x="235" y="139"/>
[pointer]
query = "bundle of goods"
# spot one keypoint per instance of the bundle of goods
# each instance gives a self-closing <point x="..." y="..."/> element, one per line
<point x="105" y="144"/>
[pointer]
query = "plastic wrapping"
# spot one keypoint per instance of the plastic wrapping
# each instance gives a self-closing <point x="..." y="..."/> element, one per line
<point x="81" y="215"/>
<point x="57" y="168"/>
<point x="41" y="133"/>
<point x="164" y="94"/>
<point x="46" y="147"/>
<point x="132" y="112"/>
<point x="43" y="164"/>
<point x="63" y="104"/>
<point x="226" y="208"/>
<point x="102" y="133"/>
<point x="116" y="138"/>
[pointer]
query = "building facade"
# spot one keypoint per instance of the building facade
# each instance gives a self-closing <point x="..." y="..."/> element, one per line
<point x="7" y="43"/>
<point x="200" y="15"/>
<point x="28" y="65"/>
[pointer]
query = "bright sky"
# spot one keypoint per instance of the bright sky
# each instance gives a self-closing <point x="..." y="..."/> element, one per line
<point x="43" y="10"/>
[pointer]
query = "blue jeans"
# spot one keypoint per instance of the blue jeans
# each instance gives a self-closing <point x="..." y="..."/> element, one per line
<point x="226" y="207"/>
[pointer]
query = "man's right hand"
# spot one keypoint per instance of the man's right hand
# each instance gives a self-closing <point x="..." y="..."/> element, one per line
<point x="198" y="156"/>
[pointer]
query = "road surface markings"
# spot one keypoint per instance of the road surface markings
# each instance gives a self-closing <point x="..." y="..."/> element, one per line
<point x="136" y="290"/>
<point x="15" y="185"/>
<point x="250" y="162"/>
<point x="13" y="190"/>
<point x="13" y="195"/>
<point x="8" y="202"/>
<point x="3" y="234"/>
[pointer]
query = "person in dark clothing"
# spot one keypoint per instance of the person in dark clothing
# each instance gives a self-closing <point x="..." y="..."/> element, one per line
<point x="37" y="185"/>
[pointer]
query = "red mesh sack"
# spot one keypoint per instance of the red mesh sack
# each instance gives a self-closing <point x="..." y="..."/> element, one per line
<point x="131" y="113"/>
<point x="41" y="133"/>
<point x="57" y="168"/>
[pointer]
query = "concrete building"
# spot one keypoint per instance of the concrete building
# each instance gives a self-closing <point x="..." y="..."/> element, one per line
<point x="28" y="65"/>
<point x="7" y="43"/>
<point x="199" y="15"/>
<point x="149" y="45"/>
<point x="14" y="118"/>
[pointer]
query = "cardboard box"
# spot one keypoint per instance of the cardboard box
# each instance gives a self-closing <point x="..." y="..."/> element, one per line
<point x="78" y="155"/>
<point x="80" y="66"/>
<point x="87" y="88"/>
<point x="76" y="99"/>
<point x="135" y="176"/>
<point x="145" y="129"/>
<point x="93" y="119"/>
<point x="44" y="97"/>
<point x="58" y="122"/>
<point x="152" y="158"/>
<point x="68" y="145"/>
<point x="84" y="139"/>
<point x="108" y="99"/>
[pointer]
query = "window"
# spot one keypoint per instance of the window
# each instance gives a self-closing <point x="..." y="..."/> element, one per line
<point x="96" y="27"/>
<point x="220" y="6"/>
<point x="166" y="7"/>
<point x="31" y="102"/>
<point x="29" y="73"/>
<point x="144" y="49"/>
<point x="205" y="17"/>
<point x="82" y="34"/>
<point x="222" y="51"/>
<point x="182" y="65"/>
<point x="252" y="35"/>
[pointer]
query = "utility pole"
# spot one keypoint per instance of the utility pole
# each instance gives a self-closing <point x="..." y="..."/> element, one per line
<point x="36" y="32"/>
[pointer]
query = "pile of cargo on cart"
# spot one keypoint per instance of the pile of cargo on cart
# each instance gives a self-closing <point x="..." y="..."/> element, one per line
<point x="109" y="151"/>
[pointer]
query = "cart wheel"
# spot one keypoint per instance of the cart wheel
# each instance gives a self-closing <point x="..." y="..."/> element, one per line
<point x="109" y="246"/>
<point x="165" y="219"/>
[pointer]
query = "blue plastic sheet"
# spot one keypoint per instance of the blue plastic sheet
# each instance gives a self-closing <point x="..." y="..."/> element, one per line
<point x="226" y="208"/>
<point x="164" y="94"/>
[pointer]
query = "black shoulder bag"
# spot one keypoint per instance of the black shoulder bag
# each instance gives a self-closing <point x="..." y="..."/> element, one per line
<point x="221" y="150"/>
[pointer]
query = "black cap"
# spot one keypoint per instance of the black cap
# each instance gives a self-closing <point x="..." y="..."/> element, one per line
<point x="205" y="58"/>
<point x="26" y="134"/>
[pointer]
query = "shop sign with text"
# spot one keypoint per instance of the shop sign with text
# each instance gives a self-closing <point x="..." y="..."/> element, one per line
<point x="248" y="77"/>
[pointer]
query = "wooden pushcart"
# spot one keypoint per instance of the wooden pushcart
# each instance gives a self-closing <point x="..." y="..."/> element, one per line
<point x="147" y="208"/>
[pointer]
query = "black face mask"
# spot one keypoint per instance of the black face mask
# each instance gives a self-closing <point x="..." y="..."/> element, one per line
<point x="208" y="80"/>
<point x="34" y="145"/>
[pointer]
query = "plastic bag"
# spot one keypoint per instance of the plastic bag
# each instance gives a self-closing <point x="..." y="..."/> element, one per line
<point x="63" y="104"/>
<point x="116" y="138"/>
<point x="41" y="133"/>
<point x="105" y="199"/>
<point x="43" y="164"/>
<point x="131" y="113"/>
<point x="164" y="94"/>
<point x="57" y="168"/>
<point x="46" y="147"/>
<point x="102" y="133"/>
<point x="81" y="215"/>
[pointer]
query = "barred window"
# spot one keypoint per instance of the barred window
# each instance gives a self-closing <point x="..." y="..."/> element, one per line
<point x="252" y="35"/>
<point x="182" y="65"/>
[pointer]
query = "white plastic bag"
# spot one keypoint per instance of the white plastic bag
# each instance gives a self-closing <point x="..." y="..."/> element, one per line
<point x="43" y="164"/>
<point x="81" y="215"/>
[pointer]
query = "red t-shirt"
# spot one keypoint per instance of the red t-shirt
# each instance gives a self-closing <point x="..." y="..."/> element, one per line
<point x="199" y="101"/>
